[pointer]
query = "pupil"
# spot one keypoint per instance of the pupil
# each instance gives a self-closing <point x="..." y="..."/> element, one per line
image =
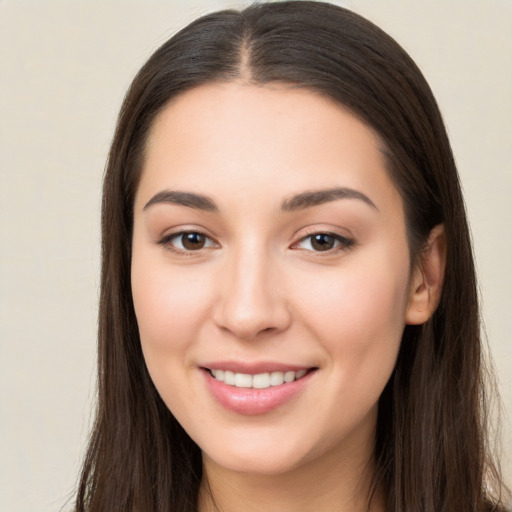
<point x="322" y="242"/>
<point x="193" y="241"/>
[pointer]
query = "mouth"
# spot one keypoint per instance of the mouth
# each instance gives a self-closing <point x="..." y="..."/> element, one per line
<point x="262" y="380"/>
<point x="258" y="387"/>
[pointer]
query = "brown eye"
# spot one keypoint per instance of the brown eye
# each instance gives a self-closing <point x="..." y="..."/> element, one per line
<point x="193" y="241"/>
<point x="187" y="241"/>
<point x="322" y="242"/>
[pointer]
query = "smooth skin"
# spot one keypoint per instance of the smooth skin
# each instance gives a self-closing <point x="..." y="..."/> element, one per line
<point x="250" y="274"/>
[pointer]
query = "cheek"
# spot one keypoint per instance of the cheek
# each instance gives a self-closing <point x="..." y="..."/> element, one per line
<point x="170" y="304"/>
<point x="358" y="310"/>
<point x="358" y="316"/>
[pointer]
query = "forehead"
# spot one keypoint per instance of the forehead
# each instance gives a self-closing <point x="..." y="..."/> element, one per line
<point x="224" y="135"/>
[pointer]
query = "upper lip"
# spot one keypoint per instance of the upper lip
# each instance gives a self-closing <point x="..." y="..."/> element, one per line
<point x="254" y="368"/>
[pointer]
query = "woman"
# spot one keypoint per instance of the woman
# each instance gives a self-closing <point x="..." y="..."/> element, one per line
<point x="289" y="315"/>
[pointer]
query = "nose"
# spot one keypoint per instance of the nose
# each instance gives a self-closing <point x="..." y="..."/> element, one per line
<point x="251" y="296"/>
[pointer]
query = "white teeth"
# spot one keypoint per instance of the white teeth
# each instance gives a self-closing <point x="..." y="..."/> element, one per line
<point x="259" y="381"/>
<point x="243" y="380"/>
<point x="229" y="378"/>
<point x="300" y="374"/>
<point x="289" y="376"/>
<point x="276" y="378"/>
<point x="219" y="374"/>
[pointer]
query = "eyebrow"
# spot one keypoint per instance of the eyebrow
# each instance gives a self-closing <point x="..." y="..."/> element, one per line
<point x="297" y="202"/>
<point x="316" y="197"/>
<point x="189" y="199"/>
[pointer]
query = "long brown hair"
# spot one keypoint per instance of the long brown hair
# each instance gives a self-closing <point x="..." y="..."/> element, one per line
<point x="431" y="450"/>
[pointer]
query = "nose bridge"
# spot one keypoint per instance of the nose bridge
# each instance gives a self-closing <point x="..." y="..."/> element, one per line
<point x="251" y="298"/>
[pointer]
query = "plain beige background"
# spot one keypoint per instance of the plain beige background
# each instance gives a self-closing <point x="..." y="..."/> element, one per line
<point x="64" y="68"/>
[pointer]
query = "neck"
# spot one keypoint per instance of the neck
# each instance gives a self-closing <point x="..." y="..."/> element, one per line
<point x="329" y="484"/>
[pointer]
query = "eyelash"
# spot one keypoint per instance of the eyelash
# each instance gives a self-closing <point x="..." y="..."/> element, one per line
<point x="341" y="243"/>
<point x="166" y="241"/>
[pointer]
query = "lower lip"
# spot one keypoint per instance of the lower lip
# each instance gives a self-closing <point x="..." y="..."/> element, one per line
<point x="251" y="401"/>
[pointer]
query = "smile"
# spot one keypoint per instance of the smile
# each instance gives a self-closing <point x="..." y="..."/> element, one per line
<point x="258" y="381"/>
<point x="251" y="390"/>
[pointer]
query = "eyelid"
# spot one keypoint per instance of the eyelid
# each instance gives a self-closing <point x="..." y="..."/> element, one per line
<point x="166" y="240"/>
<point x="343" y="242"/>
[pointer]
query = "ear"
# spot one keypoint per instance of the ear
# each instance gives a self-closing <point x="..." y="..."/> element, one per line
<point x="427" y="279"/>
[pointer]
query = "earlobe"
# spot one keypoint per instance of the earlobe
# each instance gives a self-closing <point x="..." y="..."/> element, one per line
<point x="427" y="279"/>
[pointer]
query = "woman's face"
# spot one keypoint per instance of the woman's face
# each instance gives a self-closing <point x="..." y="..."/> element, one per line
<point x="270" y="274"/>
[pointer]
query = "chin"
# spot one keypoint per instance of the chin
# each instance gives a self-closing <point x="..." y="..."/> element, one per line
<point x="279" y="448"/>
<point x="249" y="462"/>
